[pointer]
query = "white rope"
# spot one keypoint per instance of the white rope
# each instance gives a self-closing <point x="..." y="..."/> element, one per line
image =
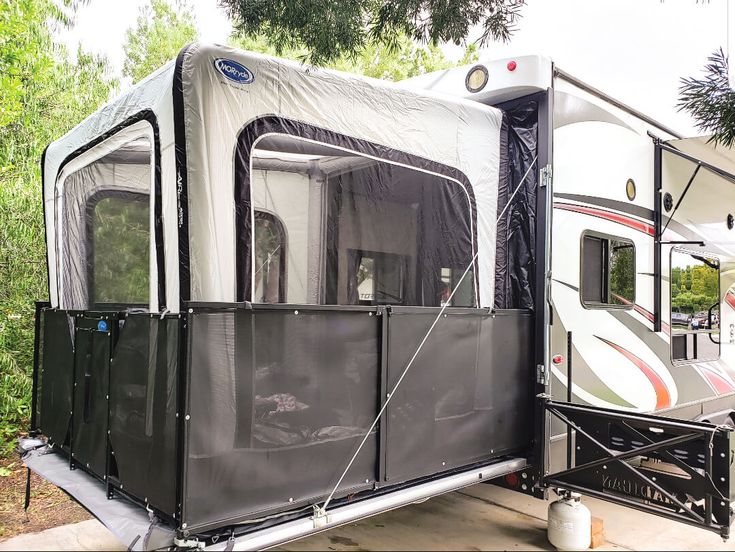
<point x="390" y="396"/>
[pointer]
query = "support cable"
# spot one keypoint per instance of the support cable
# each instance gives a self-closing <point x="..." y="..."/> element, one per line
<point x="323" y="510"/>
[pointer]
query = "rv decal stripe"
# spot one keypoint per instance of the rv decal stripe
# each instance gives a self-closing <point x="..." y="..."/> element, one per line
<point x="607" y="215"/>
<point x="611" y="204"/>
<point x="663" y="397"/>
<point x="720" y="384"/>
<point x="730" y="298"/>
<point x="643" y="312"/>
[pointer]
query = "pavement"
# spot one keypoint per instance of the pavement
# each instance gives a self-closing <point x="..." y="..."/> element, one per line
<point x="483" y="517"/>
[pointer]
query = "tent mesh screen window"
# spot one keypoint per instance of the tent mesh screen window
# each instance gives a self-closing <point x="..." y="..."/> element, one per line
<point x="353" y="230"/>
<point x="105" y="238"/>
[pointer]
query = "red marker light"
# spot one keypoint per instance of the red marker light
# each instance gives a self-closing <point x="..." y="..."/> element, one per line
<point x="557" y="359"/>
<point x="511" y="480"/>
<point x="512" y="65"/>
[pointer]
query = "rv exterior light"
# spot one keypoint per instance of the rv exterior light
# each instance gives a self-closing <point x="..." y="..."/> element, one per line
<point x="476" y="78"/>
<point x="557" y="360"/>
<point x="512" y="65"/>
<point x="511" y="480"/>
<point x="630" y="189"/>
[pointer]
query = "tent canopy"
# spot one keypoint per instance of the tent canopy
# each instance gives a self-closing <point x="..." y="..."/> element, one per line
<point x="238" y="150"/>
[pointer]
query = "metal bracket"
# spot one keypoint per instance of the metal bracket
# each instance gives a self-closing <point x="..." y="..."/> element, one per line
<point x="542" y="376"/>
<point x="321" y="517"/>
<point x="545" y="176"/>
<point x="189" y="544"/>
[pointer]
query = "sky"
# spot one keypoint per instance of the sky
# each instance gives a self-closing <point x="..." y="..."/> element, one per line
<point x="634" y="50"/>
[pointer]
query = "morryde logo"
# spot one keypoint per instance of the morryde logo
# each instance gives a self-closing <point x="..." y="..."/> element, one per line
<point x="234" y="71"/>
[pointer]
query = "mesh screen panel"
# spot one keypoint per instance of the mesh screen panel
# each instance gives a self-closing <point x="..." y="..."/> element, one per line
<point x="57" y="375"/>
<point x="143" y="394"/>
<point x="467" y="396"/>
<point x="278" y="403"/>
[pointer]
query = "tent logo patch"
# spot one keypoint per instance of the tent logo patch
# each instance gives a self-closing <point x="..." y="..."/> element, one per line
<point x="234" y="71"/>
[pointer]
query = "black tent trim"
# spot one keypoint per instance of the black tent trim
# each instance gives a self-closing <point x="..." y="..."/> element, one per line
<point x="144" y="115"/>
<point x="273" y="124"/>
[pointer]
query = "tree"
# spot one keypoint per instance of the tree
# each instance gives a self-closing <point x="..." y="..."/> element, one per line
<point x="407" y="59"/>
<point x="160" y="32"/>
<point x="331" y="29"/>
<point x="710" y="100"/>
<point x="42" y="96"/>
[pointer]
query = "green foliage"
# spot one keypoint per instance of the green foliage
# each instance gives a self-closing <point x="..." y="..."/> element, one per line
<point x="710" y="100"/>
<point x="328" y="30"/>
<point x="694" y="288"/>
<point x="407" y="59"/>
<point x="160" y="32"/>
<point x="42" y="95"/>
<point x="121" y="250"/>
<point x="622" y="272"/>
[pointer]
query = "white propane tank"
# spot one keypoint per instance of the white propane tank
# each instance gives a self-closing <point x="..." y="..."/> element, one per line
<point x="570" y="522"/>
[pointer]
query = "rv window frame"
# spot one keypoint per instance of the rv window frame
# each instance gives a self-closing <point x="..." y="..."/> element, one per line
<point x="251" y="133"/>
<point x="604" y="306"/>
<point x="708" y="333"/>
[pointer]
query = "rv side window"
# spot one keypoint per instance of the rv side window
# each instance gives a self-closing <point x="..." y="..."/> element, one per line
<point x="608" y="271"/>
<point x="118" y="249"/>
<point x="377" y="278"/>
<point x="695" y="307"/>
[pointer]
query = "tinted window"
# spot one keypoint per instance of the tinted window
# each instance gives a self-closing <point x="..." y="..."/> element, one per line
<point x="695" y="301"/>
<point x="119" y="267"/>
<point x="270" y="259"/>
<point x="608" y="271"/>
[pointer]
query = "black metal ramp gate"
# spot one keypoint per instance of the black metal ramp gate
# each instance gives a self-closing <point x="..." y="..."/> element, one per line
<point x="676" y="469"/>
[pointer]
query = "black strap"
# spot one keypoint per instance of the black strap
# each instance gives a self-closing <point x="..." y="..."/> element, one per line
<point x="28" y="489"/>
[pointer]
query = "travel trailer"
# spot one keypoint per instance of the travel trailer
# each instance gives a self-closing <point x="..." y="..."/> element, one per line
<point x="284" y="298"/>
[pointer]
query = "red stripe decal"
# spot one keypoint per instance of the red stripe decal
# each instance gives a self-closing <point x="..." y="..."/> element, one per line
<point x="730" y="298"/>
<point x="643" y="312"/>
<point x="720" y="384"/>
<point x="607" y="215"/>
<point x="663" y="397"/>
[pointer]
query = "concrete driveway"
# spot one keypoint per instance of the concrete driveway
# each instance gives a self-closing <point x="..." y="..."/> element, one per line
<point x="482" y="517"/>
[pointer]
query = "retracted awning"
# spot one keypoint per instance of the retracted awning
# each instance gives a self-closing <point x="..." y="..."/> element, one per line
<point x="709" y="153"/>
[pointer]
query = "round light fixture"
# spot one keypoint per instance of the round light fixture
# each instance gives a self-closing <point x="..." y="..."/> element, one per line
<point x="476" y="78"/>
<point x="630" y="189"/>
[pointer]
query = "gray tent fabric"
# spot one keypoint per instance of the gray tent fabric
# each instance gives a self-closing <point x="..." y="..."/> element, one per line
<point x="132" y="525"/>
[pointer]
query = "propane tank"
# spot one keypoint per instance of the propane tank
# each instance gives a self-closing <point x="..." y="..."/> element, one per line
<point x="570" y="522"/>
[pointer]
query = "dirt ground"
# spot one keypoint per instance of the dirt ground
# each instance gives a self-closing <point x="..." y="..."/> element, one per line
<point x="49" y="507"/>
